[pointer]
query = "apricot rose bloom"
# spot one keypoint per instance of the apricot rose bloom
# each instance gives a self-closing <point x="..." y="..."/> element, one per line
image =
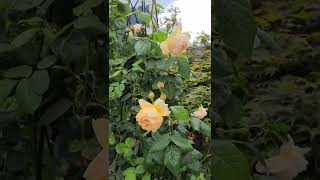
<point x="150" y="117"/>
<point x="288" y="164"/>
<point x="177" y="42"/>
<point x="200" y="113"/>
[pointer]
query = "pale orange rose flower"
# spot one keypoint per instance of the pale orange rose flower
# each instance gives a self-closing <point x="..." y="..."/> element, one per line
<point x="288" y="164"/>
<point x="200" y="113"/>
<point x="177" y="41"/>
<point x="97" y="169"/>
<point x="150" y="117"/>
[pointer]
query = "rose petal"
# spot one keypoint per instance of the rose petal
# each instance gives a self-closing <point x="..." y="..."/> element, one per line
<point x="143" y="103"/>
<point x="162" y="107"/>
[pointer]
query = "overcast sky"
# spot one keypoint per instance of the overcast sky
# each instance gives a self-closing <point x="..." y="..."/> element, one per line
<point x="195" y="15"/>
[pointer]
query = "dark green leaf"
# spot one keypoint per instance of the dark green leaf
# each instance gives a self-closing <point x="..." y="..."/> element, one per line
<point x="236" y="24"/>
<point x="90" y="23"/>
<point x="6" y="86"/>
<point x="23" y="5"/>
<point x="171" y="89"/>
<point x="28" y="101"/>
<point x="226" y="159"/>
<point x="24" y="37"/>
<point x="195" y="166"/>
<point x="87" y="5"/>
<point x="18" y="72"/>
<point x="172" y="159"/>
<point x="160" y="143"/>
<point x="181" y="142"/>
<point x="54" y="111"/>
<point x="142" y="47"/>
<point x="40" y="81"/>
<point x="47" y="62"/>
<point x="184" y="68"/>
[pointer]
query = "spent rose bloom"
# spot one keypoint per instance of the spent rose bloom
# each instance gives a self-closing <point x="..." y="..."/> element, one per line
<point x="200" y="112"/>
<point x="288" y="164"/>
<point x="136" y="28"/>
<point x="98" y="167"/>
<point x="150" y="117"/>
<point x="160" y="85"/>
<point x="177" y="41"/>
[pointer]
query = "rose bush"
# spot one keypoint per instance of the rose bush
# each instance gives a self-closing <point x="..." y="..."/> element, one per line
<point x="151" y="132"/>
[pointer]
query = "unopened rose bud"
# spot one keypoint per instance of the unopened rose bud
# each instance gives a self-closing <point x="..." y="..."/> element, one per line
<point x="151" y="95"/>
<point x="163" y="97"/>
<point x="160" y="85"/>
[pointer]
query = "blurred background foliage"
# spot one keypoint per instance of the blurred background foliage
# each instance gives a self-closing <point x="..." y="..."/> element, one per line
<point x="53" y="82"/>
<point x="266" y="79"/>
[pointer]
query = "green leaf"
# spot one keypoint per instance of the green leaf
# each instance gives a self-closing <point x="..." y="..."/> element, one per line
<point x="90" y="23"/>
<point x="86" y="6"/>
<point x="195" y="166"/>
<point x="142" y="47"/>
<point x="146" y="176"/>
<point x="23" y="5"/>
<point x="143" y="17"/>
<point x="140" y="169"/>
<point x="40" y="81"/>
<point x="200" y="126"/>
<point x="18" y="72"/>
<point x="6" y="86"/>
<point x="90" y="150"/>
<point x="76" y="146"/>
<point x="184" y="68"/>
<point x="236" y="24"/>
<point x="139" y="160"/>
<point x="181" y="142"/>
<point x="160" y="36"/>
<point x="121" y="148"/>
<point x="112" y="139"/>
<point x="54" y="111"/>
<point x="205" y="129"/>
<point x="128" y="154"/>
<point x="195" y="123"/>
<point x="180" y="113"/>
<point x="130" y="142"/>
<point x="172" y="159"/>
<point x="160" y="143"/>
<point x="129" y="173"/>
<point x="228" y="162"/>
<point x="28" y="100"/>
<point x="47" y="62"/>
<point x="171" y="89"/>
<point x="191" y="156"/>
<point x="24" y="37"/>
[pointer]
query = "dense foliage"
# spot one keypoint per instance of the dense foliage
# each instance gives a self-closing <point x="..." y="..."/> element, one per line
<point x="265" y="86"/>
<point x="137" y="65"/>
<point x="52" y="68"/>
